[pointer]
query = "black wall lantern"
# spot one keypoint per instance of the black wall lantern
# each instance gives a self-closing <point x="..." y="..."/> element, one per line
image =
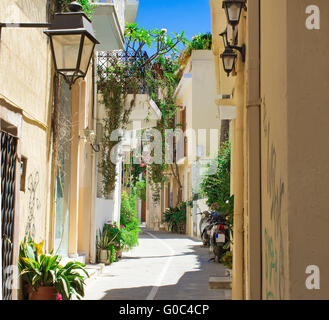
<point x="233" y="9"/>
<point x="229" y="59"/>
<point x="229" y="56"/>
<point x="72" y="41"/>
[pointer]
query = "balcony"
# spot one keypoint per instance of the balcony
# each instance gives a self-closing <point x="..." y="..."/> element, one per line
<point x="109" y="21"/>
<point x="131" y="11"/>
<point x="145" y="113"/>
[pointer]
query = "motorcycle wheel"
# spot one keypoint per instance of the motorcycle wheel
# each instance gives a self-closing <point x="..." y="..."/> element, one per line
<point x="205" y="240"/>
<point x="217" y="251"/>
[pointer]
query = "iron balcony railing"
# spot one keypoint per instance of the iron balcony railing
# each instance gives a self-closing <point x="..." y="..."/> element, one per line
<point x="106" y="60"/>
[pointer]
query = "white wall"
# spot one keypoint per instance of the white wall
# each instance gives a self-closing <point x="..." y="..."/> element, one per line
<point x="104" y="212"/>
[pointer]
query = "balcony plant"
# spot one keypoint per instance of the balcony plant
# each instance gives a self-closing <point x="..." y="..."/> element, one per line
<point x="202" y="41"/>
<point x="176" y="217"/>
<point x="87" y="6"/>
<point x="45" y="278"/>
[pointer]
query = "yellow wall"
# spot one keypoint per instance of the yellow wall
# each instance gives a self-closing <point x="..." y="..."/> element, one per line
<point x="293" y="122"/>
<point x="275" y="253"/>
<point x="307" y="156"/>
<point x="25" y="79"/>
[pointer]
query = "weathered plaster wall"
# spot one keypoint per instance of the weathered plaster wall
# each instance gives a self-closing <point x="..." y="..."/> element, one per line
<point x="204" y="110"/>
<point x="274" y="144"/>
<point x="25" y="79"/>
<point x="308" y="154"/>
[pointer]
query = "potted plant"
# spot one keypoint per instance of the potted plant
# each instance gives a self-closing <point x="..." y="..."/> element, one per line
<point x="103" y="247"/>
<point x="45" y="278"/>
<point x="176" y="217"/>
<point x="109" y="243"/>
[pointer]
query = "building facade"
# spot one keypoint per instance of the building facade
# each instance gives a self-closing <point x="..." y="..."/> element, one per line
<point x="196" y="141"/>
<point x="48" y="157"/>
<point x="280" y="171"/>
<point x="26" y="109"/>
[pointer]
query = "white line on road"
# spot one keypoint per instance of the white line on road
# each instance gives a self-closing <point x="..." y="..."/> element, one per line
<point x="155" y="288"/>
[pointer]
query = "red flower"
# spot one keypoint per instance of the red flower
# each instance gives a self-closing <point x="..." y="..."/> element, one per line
<point x="59" y="296"/>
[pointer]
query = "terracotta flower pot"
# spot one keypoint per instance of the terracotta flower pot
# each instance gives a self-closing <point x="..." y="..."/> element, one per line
<point x="43" y="293"/>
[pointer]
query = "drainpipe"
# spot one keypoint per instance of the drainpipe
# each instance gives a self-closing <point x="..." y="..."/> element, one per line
<point x="253" y="148"/>
<point x="238" y="290"/>
<point x="237" y="277"/>
<point x="92" y="240"/>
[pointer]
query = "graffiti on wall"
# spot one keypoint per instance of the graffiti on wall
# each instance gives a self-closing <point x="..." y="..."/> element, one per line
<point x="275" y="190"/>
<point x="33" y="204"/>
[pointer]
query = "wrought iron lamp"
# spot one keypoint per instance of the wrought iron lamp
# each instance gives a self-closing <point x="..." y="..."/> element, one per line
<point x="91" y="138"/>
<point x="229" y="59"/>
<point x="72" y="41"/>
<point x="233" y="9"/>
<point x="229" y="56"/>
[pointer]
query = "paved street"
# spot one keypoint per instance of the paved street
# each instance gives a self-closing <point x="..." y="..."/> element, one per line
<point x="164" y="266"/>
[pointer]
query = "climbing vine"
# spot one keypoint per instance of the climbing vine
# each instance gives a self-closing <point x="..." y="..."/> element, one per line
<point x="167" y="82"/>
<point x="133" y="71"/>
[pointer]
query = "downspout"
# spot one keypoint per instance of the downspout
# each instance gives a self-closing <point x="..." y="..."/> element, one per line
<point x="92" y="240"/>
<point x="238" y="233"/>
<point x="253" y="152"/>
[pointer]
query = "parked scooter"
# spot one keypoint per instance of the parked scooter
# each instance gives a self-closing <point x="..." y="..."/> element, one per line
<point x="205" y="227"/>
<point x="219" y="235"/>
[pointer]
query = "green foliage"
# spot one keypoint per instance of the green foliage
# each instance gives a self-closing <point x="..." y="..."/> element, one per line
<point x="115" y="82"/>
<point x="132" y="74"/>
<point x="110" y="235"/>
<point x="129" y="220"/>
<point x="216" y="187"/>
<point x="227" y="259"/>
<point x="162" y="92"/>
<point x="44" y="270"/>
<point x="176" y="217"/>
<point x="110" y="238"/>
<point x="87" y="7"/>
<point x="138" y="38"/>
<point x="140" y="189"/>
<point x="202" y="41"/>
<point x="136" y="171"/>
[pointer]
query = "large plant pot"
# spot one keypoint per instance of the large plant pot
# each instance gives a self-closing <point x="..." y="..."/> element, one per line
<point x="43" y="293"/>
<point x="104" y="257"/>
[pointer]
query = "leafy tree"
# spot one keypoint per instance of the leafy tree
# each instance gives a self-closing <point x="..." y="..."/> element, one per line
<point x="216" y="187"/>
<point x="133" y="72"/>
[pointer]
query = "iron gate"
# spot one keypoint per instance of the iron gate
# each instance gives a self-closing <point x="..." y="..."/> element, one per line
<point x="8" y="170"/>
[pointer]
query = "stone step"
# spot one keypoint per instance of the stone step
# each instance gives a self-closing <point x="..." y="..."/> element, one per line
<point x="220" y="283"/>
<point x="93" y="271"/>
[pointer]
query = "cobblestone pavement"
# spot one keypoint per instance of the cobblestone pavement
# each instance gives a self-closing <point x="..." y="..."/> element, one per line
<point x="164" y="266"/>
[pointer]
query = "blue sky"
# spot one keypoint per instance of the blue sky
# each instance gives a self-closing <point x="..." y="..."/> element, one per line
<point x="192" y="16"/>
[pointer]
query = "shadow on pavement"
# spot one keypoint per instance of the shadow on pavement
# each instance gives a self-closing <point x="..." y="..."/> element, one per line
<point x="193" y="285"/>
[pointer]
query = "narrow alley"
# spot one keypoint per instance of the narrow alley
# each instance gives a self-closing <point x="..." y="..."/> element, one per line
<point x="164" y="266"/>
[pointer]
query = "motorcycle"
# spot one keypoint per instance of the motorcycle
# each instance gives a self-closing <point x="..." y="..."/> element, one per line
<point x="219" y="235"/>
<point x="205" y="227"/>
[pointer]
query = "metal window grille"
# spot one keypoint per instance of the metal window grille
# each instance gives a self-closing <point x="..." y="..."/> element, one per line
<point x="8" y="176"/>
